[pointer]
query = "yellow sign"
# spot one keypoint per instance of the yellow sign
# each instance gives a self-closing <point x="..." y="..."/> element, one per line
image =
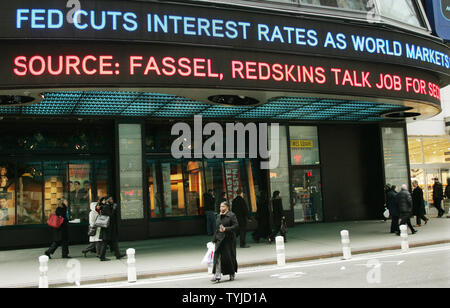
<point x="302" y="143"/>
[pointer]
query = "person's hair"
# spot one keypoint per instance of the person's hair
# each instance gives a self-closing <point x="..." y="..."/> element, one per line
<point x="393" y="187"/>
<point x="239" y="191"/>
<point x="276" y="193"/>
<point x="404" y="187"/>
<point x="86" y="182"/>
<point x="77" y="182"/>
<point x="101" y="199"/>
<point x="415" y="182"/>
<point x="225" y="203"/>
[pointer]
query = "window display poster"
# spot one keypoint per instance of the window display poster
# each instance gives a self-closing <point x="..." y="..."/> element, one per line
<point x="80" y="188"/>
<point x="232" y="179"/>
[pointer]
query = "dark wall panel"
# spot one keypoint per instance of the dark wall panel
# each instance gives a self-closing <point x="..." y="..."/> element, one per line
<point x="351" y="172"/>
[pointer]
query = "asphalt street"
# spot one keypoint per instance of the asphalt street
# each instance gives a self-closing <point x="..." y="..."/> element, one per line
<point x="419" y="268"/>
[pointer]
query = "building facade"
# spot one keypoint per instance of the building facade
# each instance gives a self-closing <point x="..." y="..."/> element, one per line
<point x="156" y="103"/>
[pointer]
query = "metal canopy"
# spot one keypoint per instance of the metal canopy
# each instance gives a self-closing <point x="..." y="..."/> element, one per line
<point x="160" y="106"/>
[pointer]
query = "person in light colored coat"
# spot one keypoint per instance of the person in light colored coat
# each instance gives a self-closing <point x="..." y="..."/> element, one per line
<point x="94" y="239"/>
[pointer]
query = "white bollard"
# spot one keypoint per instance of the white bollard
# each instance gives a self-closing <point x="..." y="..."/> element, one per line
<point x="43" y="269"/>
<point x="131" y="261"/>
<point x="345" y="240"/>
<point x="281" y="255"/>
<point x="404" y="236"/>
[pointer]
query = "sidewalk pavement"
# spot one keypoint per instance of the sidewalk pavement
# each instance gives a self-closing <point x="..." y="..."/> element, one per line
<point x="183" y="255"/>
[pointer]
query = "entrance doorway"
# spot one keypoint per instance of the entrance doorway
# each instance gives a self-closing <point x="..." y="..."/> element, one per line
<point x="307" y="195"/>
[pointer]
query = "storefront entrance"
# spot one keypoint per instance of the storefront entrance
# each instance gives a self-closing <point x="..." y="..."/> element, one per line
<point x="307" y="195"/>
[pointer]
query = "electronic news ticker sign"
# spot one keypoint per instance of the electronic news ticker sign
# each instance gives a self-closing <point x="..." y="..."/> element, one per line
<point x="157" y="44"/>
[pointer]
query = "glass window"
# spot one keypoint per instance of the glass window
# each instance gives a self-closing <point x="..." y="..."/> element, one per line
<point x="7" y="194"/>
<point x="55" y="175"/>
<point x="195" y="187"/>
<point x="304" y="145"/>
<point x="436" y="150"/>
<point x="415" y="151"/>
<point x="307" y="193"/>
<point x="358" y="5"/>
<point x="29" y="193"/>
<point x="173" y="190"/>
<point x="401" y="10"/>
<point x="395" y="159"/>
<point x="153" y="190"/>
<point x="80" y="190"/>
<point x="214" y="176"/>
<point x="279" y="177"/>
<point x="130" y="157"/>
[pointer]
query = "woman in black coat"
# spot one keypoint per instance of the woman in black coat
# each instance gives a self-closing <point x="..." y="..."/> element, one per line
<point x="277" y="214"/>
<point x="61" y="235"/>
<point x="418" y="204"/>
<point x="264" y="229"/>
<point x="225" y="239"/>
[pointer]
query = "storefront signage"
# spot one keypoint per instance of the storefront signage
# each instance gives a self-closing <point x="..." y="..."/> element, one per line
<point x="107" y="65"/>
<point x="201" y="25"/>
<point x="301" y="144"/>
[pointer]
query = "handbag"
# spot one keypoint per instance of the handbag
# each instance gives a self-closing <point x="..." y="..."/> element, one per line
<point x="209" y="256"/>
<point x="92" y="231"/>
<point x="102" y="221"/>
<point x="386" y="213"/>
<point x="55" y="221"/>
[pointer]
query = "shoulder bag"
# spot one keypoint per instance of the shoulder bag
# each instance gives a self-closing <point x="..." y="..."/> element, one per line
<point x="102" y="221"/>
<point x="55" y="221"/>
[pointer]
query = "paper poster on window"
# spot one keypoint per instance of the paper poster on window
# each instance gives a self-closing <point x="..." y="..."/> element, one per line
<point x="80" y="190"/>
<point x="232" y="179"/>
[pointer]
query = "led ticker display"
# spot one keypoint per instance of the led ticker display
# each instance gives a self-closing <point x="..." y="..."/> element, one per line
<point x="201" y="25"/>
<point x="116" y="65"/>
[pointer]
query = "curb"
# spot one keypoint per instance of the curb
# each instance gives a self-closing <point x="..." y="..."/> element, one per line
<point x="244" y="265"/>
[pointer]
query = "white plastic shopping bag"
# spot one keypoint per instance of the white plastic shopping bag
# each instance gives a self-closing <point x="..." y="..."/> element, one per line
<point x="386" y="213"/>
<point x="209" y="256"/>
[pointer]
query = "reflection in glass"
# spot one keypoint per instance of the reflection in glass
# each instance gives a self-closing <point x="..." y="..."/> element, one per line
<point x="401" y="10"/>
<point x="55" y="174"/>
<point x="307" y="193"/>
<point x="80" y="190"/>
<point x="195" y="188"/>
<point x="7" y="196"/>
<point x="304" y="145"/>
<point x="29" y="194"/>
<point x="358" y="5"/>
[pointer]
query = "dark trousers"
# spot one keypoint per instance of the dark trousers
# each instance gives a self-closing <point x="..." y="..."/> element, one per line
<point x="114" y="248"/>
<point x="56" y="244"/>
<point x="419" y="218"/>
<point x="394" y="224"/>
<point x="94" y="247"/>
<point x="406" y="219"/>
<point x="242" y="234"/>
<point x="437" y="204"/>
<point x="276" y="230"/>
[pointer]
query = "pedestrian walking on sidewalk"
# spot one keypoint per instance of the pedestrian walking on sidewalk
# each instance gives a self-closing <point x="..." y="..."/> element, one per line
<point x="404" y="202"/>
<point x="393" y="208"/>
<point x="240" y="209"/>
<point x="263" y="218"/>
<point x="61" y="235"/>
<point x="279" y="222"/>
<point x="209" y="201"/>
<point x="225" y="262"/>
<point x="94" y="232"/>
<point x="110" y="235"/>
<point x="418" y="204"/>
<point x="438" y="196"/>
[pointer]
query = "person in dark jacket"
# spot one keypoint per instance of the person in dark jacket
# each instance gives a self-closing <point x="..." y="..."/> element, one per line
<point x="277" y="216"/>
<point x="110" y="235"/>
<point x="263" y="218"/>
<point x="447" y="193"/>
<point x="404" y="202"/>
<point x="438" y="195"/>
<point x="225" y="262"/>
<point x="240" y="209"/>
<point x="61" y="235"/>
<point x="393" y="209"/>
<point x="418" y="204"/>
<point x="209" y="201"/>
